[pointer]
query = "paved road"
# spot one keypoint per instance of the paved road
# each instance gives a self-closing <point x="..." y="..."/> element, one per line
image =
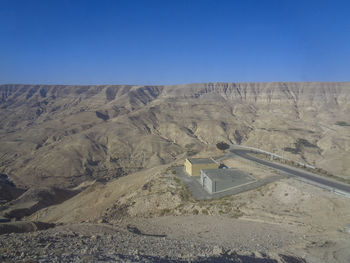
<point x="308" y="176"/>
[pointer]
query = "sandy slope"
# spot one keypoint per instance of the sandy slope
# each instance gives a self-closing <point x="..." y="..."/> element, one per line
<point x="68" y="134"/>
<point x="286" y="216"/>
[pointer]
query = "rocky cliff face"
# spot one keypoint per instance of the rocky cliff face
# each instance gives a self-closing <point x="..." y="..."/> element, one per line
<point x="66" y="134"/>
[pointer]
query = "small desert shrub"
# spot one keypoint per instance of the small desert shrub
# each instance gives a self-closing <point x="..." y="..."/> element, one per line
<point x="177" y="180"/>
<point x="191" y="152"/>
<point x="205" y="212"/>
<point x="305" y="143"/>
<point x="222" y="146"/>
<point x="164" y="211"/>
<point x="222" y="212"/>
<point x="183" y="192"/>
<point x="170" y="170"/>
<point x="342" y="123"/>
<point x="291" y="150"/>
<point x="103" y="116"/>
<point x="236" y="214"/>
<point x="298" y="146"/>
<point x="261" y="192"/>
<point x="195" y="212"/>
<point x="185" y="195"/>
<point x="201" y="203"/>
<point x="146" y="186"/>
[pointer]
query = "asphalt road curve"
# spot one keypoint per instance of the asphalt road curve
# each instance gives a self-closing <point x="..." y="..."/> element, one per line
<point x="308" y="176"/>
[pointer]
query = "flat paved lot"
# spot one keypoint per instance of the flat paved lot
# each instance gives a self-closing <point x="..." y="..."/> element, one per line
<point x="198" y="193"/>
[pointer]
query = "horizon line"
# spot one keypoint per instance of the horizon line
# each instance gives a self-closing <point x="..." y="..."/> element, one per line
<point x="191" y="83"/>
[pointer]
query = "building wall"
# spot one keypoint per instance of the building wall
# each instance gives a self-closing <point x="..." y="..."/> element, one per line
<point x="188" y="167"/>
<point x="207" y="183"/>
<point x="196" y="168"/>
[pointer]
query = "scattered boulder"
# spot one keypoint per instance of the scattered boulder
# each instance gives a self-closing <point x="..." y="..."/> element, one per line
<point x="217" y="250"/>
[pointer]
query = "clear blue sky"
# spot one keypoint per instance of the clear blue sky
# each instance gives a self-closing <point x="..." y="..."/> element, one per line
<point x="173" y="41"/>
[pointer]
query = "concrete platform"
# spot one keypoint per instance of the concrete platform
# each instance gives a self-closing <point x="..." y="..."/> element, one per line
<point x="218" y="180"/>
<point x="193" y="185"/>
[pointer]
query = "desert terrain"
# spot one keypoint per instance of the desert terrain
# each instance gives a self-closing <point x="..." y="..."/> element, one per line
<point x="97" y="162"/>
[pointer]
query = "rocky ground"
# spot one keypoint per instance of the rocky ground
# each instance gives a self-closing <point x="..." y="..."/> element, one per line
<point x="108" y="243"/>
<point x="149" y="216"/>
<point x="65" y="152"/>
<point x="286" y="221"/>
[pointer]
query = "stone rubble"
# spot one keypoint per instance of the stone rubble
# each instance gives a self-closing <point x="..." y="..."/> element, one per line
<point x="64" y="245"/>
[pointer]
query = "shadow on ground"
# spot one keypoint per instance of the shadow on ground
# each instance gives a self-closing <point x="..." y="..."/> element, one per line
<point x="135" y="230"/>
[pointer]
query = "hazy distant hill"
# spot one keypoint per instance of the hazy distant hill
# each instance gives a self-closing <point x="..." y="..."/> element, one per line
<point x="63" y="135"/>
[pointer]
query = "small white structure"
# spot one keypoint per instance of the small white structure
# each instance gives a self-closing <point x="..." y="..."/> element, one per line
<point x="218" y="180"/>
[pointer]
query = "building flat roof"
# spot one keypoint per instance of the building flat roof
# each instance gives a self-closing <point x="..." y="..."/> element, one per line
<point x="222" y="174"/>
<point x="224" y="179"/>
<point x="200" y="160"/>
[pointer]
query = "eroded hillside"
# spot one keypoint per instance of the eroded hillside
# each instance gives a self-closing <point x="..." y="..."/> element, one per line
<point x="64" y="135"/>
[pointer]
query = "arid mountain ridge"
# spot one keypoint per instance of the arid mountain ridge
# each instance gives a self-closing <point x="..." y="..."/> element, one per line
<point x="64" y="135"/>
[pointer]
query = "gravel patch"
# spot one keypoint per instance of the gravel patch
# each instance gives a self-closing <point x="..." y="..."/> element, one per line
<point x="105" y="243"/>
